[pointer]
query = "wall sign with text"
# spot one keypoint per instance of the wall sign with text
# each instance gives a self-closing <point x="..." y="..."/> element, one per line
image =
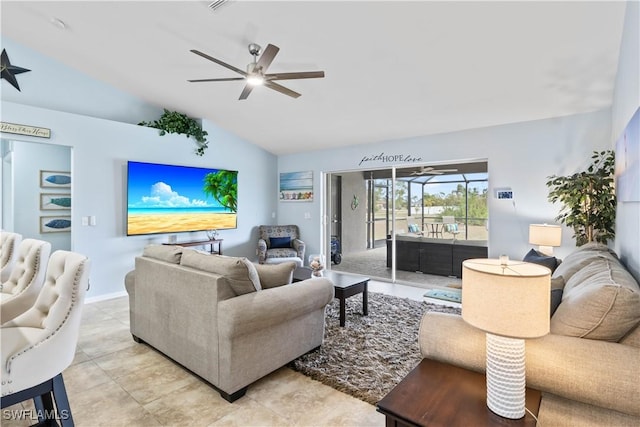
<point x="25" y="130"/>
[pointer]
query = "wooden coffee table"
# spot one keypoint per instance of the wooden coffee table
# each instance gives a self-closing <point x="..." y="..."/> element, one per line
<point x="344" y="285"/>
<point x="440" y="394"/>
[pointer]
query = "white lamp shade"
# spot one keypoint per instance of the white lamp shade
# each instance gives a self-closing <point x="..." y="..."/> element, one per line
<point x="511" y="300"/>
<point x="545" y="235"/>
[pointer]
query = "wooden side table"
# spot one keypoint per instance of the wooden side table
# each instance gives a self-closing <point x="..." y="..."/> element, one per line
<point x="439" y="394"/>
<point x="211" y="242"/>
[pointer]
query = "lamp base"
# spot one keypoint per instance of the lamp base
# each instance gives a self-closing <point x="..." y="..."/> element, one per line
<point x="506" y="376"/>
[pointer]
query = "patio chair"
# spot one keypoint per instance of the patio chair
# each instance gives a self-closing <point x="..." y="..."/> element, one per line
<point x="450" y="225"/>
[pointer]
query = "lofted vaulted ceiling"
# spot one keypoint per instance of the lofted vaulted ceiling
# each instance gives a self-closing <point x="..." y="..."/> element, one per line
<point x="393" y="69"/>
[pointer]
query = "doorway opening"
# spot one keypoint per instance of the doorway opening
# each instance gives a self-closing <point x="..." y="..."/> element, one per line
<point x="373" y="213"/>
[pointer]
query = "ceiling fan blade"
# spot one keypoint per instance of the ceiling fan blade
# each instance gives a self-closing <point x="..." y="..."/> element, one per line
<point x="292" y="76"/>
<point x="281" y="89"/>
<point x="246" y="91"/>
<point x="217" y="61"/>
<point x="228" y="79"/>
<point x="267" y="57"/>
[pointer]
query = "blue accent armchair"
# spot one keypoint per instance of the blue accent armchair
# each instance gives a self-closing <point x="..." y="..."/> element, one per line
<point x="279" y="241"/>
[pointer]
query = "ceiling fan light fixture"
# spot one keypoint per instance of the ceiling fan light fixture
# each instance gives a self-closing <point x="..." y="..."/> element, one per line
<point x="255" y="80"/>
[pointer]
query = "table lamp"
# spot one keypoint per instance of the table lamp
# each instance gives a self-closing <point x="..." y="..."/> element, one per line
<point x="545" y="236"/>
<point x="509" y="300"/>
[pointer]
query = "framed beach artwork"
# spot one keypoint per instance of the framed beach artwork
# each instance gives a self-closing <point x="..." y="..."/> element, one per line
<point x="55" y="201"/>
<point x="628" y="161"/>
<point x="55" y="224"/>
<point x="55" y="179"/>
<point x="296" y="186"/>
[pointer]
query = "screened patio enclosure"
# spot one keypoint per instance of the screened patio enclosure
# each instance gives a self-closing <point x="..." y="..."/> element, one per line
<point x="427" y="197"/>
<point x="403" y="204"/>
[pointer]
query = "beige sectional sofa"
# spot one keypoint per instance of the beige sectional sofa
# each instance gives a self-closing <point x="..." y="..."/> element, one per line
<point x="588" y="367"/>
<point x="224" y="318"/>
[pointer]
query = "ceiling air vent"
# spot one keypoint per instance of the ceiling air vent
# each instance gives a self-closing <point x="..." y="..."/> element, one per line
<point x="215" y="5"/>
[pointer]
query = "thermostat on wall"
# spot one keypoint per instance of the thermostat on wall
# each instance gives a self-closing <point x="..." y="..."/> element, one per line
<point x="504" y="193"/>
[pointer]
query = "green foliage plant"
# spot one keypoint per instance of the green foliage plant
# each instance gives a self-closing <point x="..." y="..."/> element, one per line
<point x="223" y="186"/>
<point x="588" y="199"/>
<point x="174" y="122"/>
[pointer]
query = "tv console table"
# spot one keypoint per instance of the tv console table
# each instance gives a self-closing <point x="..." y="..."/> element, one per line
<point x="211" y="242"/>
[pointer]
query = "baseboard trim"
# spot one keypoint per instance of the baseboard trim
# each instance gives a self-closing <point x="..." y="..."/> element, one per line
<point x="105" y="297"/>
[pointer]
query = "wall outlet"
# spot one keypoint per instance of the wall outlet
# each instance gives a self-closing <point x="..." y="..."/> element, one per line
<point x="85" y="220"/>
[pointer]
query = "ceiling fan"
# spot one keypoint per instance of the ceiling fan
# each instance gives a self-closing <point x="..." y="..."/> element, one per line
<point x="256" y="73"/>
<point x="430" y="170"/>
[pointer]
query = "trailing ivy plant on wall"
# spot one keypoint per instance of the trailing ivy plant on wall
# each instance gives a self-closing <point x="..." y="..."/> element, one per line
<point x="174" y="122"/>
<point x="588" y="199"/>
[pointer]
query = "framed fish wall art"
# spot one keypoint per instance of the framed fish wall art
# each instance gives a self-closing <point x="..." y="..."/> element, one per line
<point x="55" y="179"/>
<point x="55" y="201"/>
<point x="55" y="224"/>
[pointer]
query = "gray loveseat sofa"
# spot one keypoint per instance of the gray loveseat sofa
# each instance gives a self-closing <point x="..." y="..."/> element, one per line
<point x="227" y="320"/>
<point x="588" y="367"/>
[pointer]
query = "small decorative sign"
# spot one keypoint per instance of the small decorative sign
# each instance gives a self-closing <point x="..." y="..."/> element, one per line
<point x="390" y="158"/>
<point x="25" y="130"/>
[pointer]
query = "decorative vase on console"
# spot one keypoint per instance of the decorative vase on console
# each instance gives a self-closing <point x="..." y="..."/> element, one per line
<point x="316" y="262"/>
<point x="212" y="234"/>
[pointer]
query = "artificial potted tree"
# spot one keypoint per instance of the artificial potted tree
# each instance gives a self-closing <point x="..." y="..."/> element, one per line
<point x="588" y="199"/>
<point x="174" y="122"/>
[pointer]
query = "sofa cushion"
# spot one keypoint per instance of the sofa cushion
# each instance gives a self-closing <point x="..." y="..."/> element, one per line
<point x="167" y="253"/>
<point x="274" y="275"/>
<point x="601" y="301"/>
<point x="279" y="242"/>
<point x="240" y="273"/>
<point x="539" y="258"/>
<point x="579" y="259"/>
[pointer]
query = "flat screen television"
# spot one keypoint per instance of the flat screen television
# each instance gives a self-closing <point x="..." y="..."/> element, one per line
<point x="173" y="199"/>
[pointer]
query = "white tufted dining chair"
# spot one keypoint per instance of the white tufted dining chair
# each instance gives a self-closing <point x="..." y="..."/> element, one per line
<point x="9" y="243"/>
<point x="41" y="343"/>
<point x="20" y="290"/>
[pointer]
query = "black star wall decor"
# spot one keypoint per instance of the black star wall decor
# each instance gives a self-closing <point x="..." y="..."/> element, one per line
<point x="9" y="71"/>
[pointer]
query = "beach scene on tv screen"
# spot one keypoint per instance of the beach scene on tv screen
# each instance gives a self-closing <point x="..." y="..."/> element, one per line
<point x="170" y="199"/>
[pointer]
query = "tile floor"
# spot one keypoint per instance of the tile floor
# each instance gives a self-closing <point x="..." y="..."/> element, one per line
<point x="115" y="382"/>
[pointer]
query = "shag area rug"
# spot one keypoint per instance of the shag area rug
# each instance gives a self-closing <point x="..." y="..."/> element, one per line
<point x="371" y="354"/>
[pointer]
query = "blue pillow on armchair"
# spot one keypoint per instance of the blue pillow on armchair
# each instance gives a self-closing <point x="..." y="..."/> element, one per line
<point x="279" y="242"/>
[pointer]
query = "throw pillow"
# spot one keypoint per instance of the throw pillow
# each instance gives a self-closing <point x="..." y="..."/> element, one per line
<point x="556" y="299"/>
<point x="279" y="242"/>
<point x="253" y="273"/>
<point x="167" y="253"/>
<point x="557" y="287"/>
<point x="274" y="275"/>
<point x="235" y="270"/>
<point x="600" y="302"/>
<point x="539" y="258"/>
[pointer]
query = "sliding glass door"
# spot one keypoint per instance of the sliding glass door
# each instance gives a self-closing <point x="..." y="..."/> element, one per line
<point x="439" y="203"/>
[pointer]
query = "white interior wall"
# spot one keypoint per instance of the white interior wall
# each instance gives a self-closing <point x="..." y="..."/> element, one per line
<point x="626" y="102"/>
<point x="354" y="227"/>
<point x="29" y="158"/>
<point x="100" y="151"/>
<point x="519" y="155"/>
